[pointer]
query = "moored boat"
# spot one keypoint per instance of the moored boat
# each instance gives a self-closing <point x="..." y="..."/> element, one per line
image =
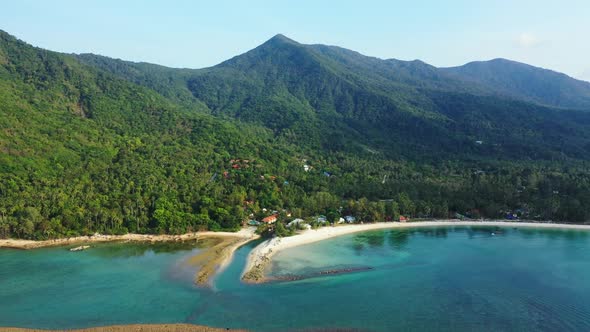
<point x="80" y="248"/>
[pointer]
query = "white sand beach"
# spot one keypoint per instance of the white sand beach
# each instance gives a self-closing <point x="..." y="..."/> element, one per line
<point x="262" y="254"/>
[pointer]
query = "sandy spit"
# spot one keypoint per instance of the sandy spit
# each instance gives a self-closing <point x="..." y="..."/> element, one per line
<point x="133" y="328"/>
<point x="97" y="238"/>
<point x="216" y="258"/>
<point x="260" y="256"/>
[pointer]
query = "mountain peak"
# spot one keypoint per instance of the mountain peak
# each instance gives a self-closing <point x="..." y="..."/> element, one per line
<point x="502" y="60"/>
<point x="280" y="38"/>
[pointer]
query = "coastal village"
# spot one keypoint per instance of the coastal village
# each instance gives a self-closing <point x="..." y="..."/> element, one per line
<point x="307" y="223"/>
<point x="286" y="221"/>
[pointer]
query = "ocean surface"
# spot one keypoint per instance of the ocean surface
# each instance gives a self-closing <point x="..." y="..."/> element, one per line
<point x="444" y="279"/>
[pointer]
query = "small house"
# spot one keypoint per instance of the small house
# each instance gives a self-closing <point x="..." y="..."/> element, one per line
<point x="321" y="219"/>
<point x="350" y="219"/>
<point x="511" y="216"/>
<point x="403" y="219"/>
<point x="295" y="222"/>
<point x="270" y="219"/>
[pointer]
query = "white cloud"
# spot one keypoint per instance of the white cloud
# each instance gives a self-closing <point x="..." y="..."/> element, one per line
<point x="528" y="40"/>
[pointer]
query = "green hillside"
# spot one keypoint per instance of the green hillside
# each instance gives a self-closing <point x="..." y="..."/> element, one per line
<point x="84" y="151"/>
<point x="89" y="143"/>
<point x="332" y="98"/>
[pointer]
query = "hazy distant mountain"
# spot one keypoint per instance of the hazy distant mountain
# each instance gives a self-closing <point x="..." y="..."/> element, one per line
<point x="527" y="82"/>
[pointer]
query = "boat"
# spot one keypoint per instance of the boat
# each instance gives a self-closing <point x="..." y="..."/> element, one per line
<point x="80" y="248"/>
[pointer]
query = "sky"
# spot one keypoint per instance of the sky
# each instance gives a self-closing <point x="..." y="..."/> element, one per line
<point x="197" y="34"/>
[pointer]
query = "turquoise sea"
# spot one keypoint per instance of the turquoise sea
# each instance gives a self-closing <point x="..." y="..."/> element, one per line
<point x="445" y="279"/>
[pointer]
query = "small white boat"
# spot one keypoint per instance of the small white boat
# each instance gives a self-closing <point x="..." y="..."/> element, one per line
<point x="80" y="248"/>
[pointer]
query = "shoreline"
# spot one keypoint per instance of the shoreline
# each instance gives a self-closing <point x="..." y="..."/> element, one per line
<point x="130" y="237"/>
<point x="261" y="256"/>
<point x="132" y="327"/>
<point x="211" y="261"/>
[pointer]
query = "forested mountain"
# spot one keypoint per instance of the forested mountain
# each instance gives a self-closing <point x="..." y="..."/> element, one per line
<point x="169" y="82"/>
<point x="527" y="82"/>
<point x="82" y="150"/>
<point x="337" y="99"/>
<point x="89" y="143"/>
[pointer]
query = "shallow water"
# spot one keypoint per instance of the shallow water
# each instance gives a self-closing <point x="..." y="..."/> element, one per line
<point x="454" y="279"/>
